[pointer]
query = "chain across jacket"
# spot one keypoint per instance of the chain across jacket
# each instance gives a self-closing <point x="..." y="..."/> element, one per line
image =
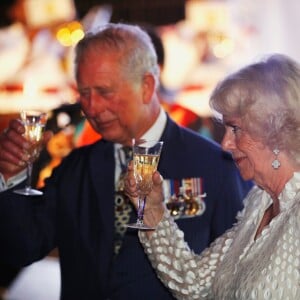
<point x="235" y="266"/>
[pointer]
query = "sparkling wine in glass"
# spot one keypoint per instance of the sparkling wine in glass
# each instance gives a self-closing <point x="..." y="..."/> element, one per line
<point x="34" y="123"/>
<point x="146" y="156"/>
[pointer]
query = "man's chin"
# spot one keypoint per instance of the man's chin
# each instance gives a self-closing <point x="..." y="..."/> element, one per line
<point x="112" y="137"/>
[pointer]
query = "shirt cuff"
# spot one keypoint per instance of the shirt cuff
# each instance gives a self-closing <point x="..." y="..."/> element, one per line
<point x="12" y="181"/>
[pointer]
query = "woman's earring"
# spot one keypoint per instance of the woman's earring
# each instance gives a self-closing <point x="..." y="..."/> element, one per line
<point x="276" y="162"/>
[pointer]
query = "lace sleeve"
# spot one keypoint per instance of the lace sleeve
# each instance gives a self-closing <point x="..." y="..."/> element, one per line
<point x="186" y="274"/>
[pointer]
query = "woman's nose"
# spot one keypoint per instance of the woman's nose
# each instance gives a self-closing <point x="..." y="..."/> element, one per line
<point x="228" y="141"/>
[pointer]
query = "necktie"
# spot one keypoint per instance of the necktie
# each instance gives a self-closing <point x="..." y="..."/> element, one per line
<point x="123" y="207"/>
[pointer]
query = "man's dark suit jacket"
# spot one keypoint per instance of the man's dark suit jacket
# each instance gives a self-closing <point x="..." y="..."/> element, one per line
<point x="76" y="214"/>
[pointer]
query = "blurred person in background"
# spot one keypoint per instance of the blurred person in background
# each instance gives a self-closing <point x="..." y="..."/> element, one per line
<point x="167" y="97"/>
<point x="84" y="211"/>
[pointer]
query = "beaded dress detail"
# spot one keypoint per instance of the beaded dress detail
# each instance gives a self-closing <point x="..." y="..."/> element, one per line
<point x="235" y="266"/>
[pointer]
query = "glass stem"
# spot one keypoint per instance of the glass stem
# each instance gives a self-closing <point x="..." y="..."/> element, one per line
<point x="141" y="207"/>
<point x="28" y="173"/>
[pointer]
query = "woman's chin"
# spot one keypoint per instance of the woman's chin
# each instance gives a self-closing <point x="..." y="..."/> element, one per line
<point x="246" y="175"/>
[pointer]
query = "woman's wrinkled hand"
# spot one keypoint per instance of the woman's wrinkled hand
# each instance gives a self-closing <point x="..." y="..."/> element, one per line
<point x="14" y="148"/>
<point x="155" y="207"/>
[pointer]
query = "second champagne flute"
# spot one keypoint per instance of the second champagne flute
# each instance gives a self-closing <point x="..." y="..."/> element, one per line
<point x="146" y="156"/>
<point x="34" y="123"/>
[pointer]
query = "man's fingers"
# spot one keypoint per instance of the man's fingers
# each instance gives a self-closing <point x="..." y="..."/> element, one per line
<point x="14" y="148"/>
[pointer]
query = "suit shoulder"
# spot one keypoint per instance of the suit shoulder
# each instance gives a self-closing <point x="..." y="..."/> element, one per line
<point x="193" y="138"/>
<point x="206" y="150"/>
<point x="83" y="152"/>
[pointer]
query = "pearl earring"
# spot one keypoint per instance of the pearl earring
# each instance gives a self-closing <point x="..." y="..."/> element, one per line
<point x="276" y="163"/>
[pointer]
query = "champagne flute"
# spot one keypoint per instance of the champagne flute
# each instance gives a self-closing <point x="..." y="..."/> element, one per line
<point x="146" y="156"/>
<point x="34" y="123"/>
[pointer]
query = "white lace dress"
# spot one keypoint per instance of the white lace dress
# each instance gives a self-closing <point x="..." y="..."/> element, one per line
<point x="235" y="266"/>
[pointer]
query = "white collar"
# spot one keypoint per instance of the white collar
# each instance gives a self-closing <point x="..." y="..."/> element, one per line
<point x="156" y="130"/>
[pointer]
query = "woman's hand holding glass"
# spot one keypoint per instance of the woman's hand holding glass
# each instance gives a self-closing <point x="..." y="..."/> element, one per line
<point x="146" y="154"/>
<point x="154" y="208"/>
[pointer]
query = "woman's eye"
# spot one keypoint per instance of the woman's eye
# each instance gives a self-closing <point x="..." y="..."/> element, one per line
<point x="235" y="128"/>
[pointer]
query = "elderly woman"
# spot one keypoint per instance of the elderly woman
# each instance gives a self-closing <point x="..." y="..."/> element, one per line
<point x="259" y="257"/>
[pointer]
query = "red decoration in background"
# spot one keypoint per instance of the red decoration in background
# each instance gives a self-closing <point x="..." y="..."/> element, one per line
<point x="87" y="135"/>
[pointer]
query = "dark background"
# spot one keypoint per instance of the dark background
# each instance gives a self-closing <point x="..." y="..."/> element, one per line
<point x="156" y="12"/>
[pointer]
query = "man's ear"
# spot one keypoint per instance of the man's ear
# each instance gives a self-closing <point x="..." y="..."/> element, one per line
<point x="148" y="87"/>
